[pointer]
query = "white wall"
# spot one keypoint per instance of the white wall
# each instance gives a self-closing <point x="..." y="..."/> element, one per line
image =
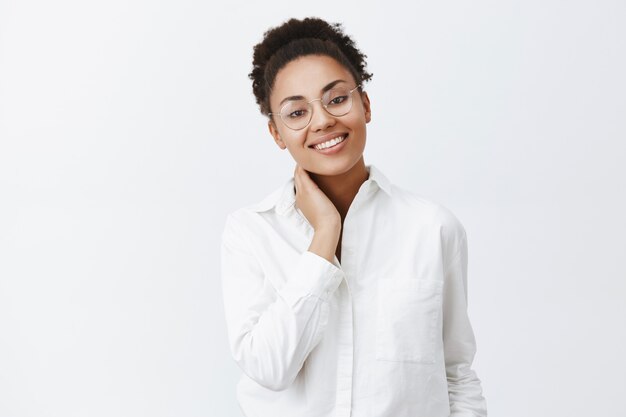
<point x="128" y="130"/>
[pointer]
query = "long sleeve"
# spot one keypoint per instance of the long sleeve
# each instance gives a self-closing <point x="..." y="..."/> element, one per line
<point x="464" y="387"/>
<point x="272" y="330"/>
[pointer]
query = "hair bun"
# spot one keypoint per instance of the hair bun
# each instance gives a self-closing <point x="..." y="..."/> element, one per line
<point x="295" y="38"/>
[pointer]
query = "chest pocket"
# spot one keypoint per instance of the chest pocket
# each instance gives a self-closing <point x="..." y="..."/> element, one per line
<point x="407" y="319"/>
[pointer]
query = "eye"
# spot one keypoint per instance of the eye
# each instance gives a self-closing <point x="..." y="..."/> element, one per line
<point x="338" y="100"/>
<point x="296" y="114"/>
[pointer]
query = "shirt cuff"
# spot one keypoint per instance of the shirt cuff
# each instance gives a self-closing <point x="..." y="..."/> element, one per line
<point x="314" y="275"/>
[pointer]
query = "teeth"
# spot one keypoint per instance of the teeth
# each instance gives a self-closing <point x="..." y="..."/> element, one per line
<point x="330" y="143"/>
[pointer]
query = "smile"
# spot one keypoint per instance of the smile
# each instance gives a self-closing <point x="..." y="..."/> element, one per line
<point x="330" y="143"/>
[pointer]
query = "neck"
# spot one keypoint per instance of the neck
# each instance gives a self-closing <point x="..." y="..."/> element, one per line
<point x="341" y="189"/>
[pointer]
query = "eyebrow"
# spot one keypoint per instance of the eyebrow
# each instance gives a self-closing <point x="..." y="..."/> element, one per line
<point x="325" y="89"/>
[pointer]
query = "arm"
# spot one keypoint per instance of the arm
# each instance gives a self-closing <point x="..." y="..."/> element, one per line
<point x="271" y="332"/>
<point x="464" y="387"/>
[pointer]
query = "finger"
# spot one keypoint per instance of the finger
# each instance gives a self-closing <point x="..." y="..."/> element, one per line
<point x="298" y="172"/>
<point x="297" y="177"/>
<point x="301" y="176"/>
<point x="306" y="180"/>
<point x="297" y="185"/>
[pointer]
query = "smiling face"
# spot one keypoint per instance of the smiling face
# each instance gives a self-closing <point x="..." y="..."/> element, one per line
<point x="310" y="77"/>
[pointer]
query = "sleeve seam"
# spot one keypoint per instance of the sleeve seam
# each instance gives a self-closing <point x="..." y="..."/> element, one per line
<point x="457" y="253"/>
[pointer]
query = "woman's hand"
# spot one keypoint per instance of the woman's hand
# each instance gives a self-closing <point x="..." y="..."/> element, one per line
<point x="314" y="204"/>
<point x="321" y="214"/>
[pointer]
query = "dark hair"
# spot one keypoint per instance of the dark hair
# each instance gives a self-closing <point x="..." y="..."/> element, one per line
<point x="296" y="38"/>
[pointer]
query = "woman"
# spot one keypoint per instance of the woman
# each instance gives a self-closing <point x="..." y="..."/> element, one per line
<point x="344" y="294"/>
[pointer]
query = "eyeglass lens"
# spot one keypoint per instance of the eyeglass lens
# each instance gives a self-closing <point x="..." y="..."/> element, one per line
<point x="297" y="114"/>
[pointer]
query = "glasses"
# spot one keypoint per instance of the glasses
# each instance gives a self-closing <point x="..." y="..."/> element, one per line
<point x="297" y="114"/>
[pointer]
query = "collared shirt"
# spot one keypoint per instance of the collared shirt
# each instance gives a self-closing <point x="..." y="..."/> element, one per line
<point x="384" y="333"/>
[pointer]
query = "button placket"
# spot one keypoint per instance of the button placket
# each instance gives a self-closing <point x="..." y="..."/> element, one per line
<point x="345" y="371"/>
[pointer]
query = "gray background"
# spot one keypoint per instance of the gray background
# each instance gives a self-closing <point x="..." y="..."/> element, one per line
<point x="128" y="130"/>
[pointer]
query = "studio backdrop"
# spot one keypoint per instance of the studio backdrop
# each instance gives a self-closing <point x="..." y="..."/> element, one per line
<point x="128" y="131"/>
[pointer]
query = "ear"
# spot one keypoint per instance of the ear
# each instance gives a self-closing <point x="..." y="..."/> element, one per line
<point x="274" y="132"/>
<point x="366" y="106"/>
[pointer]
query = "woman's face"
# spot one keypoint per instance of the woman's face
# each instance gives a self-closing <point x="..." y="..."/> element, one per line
<point x="309" y="76"/>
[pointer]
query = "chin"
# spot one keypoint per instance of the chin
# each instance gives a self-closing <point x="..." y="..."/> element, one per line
<point x="332" y="168"/>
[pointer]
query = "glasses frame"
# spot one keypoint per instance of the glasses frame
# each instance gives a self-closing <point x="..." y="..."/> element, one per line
<point x="325" y="106"/>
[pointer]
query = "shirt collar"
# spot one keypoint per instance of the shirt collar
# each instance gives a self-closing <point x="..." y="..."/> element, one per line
<point x="283" y="198"/>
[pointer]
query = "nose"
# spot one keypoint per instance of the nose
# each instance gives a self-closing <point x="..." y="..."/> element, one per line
<point x="320" y="119"/>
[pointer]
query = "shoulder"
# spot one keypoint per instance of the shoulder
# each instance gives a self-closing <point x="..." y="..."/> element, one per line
<point x="250" y="215"/>
<point x="436" y="211"/>
<point x="434" y="214"/>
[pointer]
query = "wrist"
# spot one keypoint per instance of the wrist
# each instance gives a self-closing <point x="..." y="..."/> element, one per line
<point x="325" y="242"/>
<point x="329" y="230"/>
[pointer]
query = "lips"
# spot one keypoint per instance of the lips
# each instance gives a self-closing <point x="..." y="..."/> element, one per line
<point x="328" y="137"/>
<point x="331" y="143"/>
<point x="334" y="149"/>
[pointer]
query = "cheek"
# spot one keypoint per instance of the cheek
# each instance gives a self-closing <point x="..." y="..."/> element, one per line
<point x="357" y="121"/>
<point x="294" y="141"/>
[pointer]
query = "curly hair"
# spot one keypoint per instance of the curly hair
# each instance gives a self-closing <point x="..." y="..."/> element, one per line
<point x="296" y="38"/>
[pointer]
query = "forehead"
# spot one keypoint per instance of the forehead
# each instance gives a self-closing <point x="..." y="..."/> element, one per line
<point x="307" y="76"/>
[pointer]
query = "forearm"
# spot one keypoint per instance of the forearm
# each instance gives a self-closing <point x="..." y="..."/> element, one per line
<point x="273" y="329"/>
<point x="270" y="346"/>
<point x="464" y="387"/>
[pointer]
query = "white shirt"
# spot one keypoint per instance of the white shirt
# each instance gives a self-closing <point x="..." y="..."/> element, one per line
<point x="383" y="334"/>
